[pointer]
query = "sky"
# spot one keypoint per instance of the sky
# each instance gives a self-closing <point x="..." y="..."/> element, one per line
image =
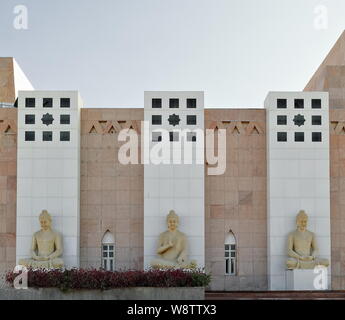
<point x="236" y="51"/>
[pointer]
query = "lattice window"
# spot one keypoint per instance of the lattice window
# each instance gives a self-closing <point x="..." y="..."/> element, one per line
<point x="108" y="252"/>
<point x="230" y="254"/>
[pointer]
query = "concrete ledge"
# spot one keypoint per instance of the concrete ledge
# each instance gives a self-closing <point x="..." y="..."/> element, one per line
<point x="137" y="293"/>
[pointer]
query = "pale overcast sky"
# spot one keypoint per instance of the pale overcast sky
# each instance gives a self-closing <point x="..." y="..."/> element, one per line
<point x="113" y="50"/>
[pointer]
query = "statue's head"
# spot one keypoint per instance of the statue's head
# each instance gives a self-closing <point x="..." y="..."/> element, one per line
<point x="172" y="220"/>
<point x="302" y="220"/>
<point x="45" y="220"/>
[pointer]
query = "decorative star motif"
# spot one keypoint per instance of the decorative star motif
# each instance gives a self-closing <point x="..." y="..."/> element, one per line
<point x="299" y="120"/>
<point x="174" y="119"/>
<point x="47" y="119"/>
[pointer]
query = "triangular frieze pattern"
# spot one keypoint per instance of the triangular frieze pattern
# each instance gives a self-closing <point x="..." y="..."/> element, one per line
<point x="8" y="126"/>
<point x="110" y="126"/>
<point x="235" y="127"/>
<point x="337" y="127"/>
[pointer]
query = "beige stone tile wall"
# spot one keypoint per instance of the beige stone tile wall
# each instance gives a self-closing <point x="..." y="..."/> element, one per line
<point x="332" y="80"/>
<point x="236" y="200"/>
<point x="7" y="90"/>
<point x="8" y="184"/>
<point x="111" y="193"/>
<point x="337" y="163"/>
<point x="330" y="76"/>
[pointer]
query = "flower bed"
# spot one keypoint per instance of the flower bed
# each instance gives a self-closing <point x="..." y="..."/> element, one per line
<point x="77" y="279"/>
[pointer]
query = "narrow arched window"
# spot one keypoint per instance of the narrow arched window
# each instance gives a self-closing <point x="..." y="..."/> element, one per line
<point x="108" y="251"/>
<point x="230" y="254"/>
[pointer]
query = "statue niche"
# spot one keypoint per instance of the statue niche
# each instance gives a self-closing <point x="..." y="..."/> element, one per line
<point x="172" y="248"/>
<point x="302" y="246"/>
<point x="46" y="247"/>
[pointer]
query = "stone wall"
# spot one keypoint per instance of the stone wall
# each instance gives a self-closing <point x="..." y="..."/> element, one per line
<point x="7" y="89"/>
<point x="135" y="293"/>
<point x="330" y="75"/>
<point x="111" y="193"/>
<point x="337" y="163"/>
<point x="236" y="200"/>
<point x="8" y="172"/>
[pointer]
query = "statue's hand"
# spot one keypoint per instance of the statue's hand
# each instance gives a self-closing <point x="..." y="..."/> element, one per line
<point x="307" y="258"/>
<point x="170" y="244"/>
<point x="310" y="258"/>
<point x="180" y="260"/>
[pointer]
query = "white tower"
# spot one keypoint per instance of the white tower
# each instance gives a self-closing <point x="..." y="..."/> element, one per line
<point x="172" y="186"/>
<point x="298" y="174"/>
<point x="48" y="174"/>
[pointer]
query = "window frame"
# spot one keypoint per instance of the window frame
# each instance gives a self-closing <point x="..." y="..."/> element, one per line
<point x="69" y="136"/>
<point x="105" y="259"/>
<point x="160" y="119"/>
<point x="171" y="102"/>
<point x="318" y="133"/>
<point x="297" y="105"/>
<point x="279" y="118"/>
<point x="33" y="116"/>
<point x="313" y="102"/>
<point x="284" y="133"/>
<point x="45" y="132"/>
<point x="159" y="105"/>
<point x="65" y="115"/>
<point x="28" y="105"/>
<point x="279" y="103"/>
<point x="302" y="134"/>
<point x="64" y="100"/>
<point x="316" y="116"/>
<point x="191" y="116"/>
<point x="191" y="105"/>
<point x="26" y="135"/>
<point x="230" y="262"/>
<point x="45" y="100"/>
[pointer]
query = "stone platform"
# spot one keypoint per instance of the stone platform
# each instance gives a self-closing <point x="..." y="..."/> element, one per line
<point x="275" y="295"/>
<point x="133" y="293"/>
<point x="307" y="279"/>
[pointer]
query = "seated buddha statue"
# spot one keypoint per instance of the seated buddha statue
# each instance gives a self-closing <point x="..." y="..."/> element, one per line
<point x="46" y="247"/>
<point x="302" y="246"/>
<point x="172" y="247"/>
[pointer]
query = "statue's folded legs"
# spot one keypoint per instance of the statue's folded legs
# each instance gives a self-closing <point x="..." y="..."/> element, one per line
<point x="302" y="247"/>
<point x="172" y="247"/>
<point x="46" y="246"/>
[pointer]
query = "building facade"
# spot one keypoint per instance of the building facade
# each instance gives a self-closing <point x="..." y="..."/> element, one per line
<point x="57" y="155"/>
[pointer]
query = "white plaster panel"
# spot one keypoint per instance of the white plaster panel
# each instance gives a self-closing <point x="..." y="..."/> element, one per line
<point x="24" y="207"/>
<point x="71" y="245"/>
<point x="69" y="225"/>
<point x="23" y="246"/>
<point x="298" y="178"/>
<point x="54" y="205"/>
<point x="174" y="186"/>
<point x="48" y="171"/>
<point x="25" y="229"/>
<point x="151" y="207"/>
